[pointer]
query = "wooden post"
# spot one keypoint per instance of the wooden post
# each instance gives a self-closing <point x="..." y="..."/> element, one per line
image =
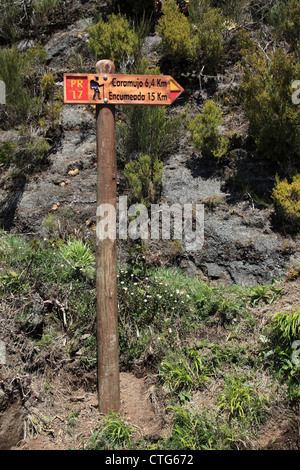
<point x="106" y="259"/>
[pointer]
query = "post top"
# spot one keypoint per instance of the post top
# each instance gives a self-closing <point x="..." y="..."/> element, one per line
<point x="105" y="66"/>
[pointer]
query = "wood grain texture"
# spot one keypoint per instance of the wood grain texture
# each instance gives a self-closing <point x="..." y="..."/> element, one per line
<point x="106" y="261"/>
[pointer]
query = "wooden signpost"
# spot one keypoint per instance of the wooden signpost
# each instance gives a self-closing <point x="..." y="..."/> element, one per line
<point x="120" y="89"/>
<point x="105" y="89"/>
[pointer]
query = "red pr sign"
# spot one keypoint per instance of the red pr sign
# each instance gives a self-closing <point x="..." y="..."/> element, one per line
<point x="76" y="88"/>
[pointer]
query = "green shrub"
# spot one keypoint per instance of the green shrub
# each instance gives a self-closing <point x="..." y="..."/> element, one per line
<point x="37" y="149"/>
<point x="48" y="84"/>
<point x="144" y="177"/>
<point x="52" y="102"/>
<point x="7" y="150"/>
<point x="236" y="10"/>
<point x="148" y="129"/>
<point x="12" y="64"/>
<point x="287" y="201"/>
<point x="209" y="39"/>
<point x="283" y="335"/>
<point x="197" y="8"/>
<point x="189" y="38"/>
<point x="266" y="91"/>
<point x="27" y="150"/>
<point x="113" y="40"/>
<point x="9" y="21"/>
<point x="285" y="18"/>
<point x="46" y="7"/>
<point x="176" y="32"/>
<point x="205" y="131"/>
<point x="21" y="71"/>
<point x="47" y="12"/>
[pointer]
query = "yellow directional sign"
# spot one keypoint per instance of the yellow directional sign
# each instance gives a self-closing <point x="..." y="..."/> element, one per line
<point x="120" y="89"/>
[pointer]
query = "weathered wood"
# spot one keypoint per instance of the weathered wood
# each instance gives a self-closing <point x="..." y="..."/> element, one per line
<point x="106" y="261"/>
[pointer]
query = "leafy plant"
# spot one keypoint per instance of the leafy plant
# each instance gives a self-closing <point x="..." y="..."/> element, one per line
<point x="9" y="21"/>
<point x="287" y="201"/>
<point x="148" y="130"/>
<point x="241" y="400"/>
<point x="285" y="327"/>
<point x="209" y="39"/>
<point x="283" y="330"/>
<point x="78" y="256"/>
<point x="266" y="293"/>
<point x="285" y="18"/>
<point x="266" y="97"/>
<point x="183" y="374"/>
<point x="115" y="434"/>
<point x="176" y="32"/>
<point x="114" y="39"/>
<point x="205" y="131"/>
<point x="144" y="177"/>
<point x="195" y="431"/>
<point x="22" y="101"/>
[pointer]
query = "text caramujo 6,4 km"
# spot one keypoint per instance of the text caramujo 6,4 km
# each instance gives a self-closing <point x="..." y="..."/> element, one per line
<point x="120" y="89"/>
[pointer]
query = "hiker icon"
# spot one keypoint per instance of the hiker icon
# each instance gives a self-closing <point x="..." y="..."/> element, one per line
<point x="95" y="86"/>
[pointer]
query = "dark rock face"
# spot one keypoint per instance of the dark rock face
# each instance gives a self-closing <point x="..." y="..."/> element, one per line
<point x="239" y="244"/>
<point x="69" y="184"/>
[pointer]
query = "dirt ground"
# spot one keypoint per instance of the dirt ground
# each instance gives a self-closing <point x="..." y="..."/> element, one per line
<point x="57" y="409"/>
<point x="50" y="427"/>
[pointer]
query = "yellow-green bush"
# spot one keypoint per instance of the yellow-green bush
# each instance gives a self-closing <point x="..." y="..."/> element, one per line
<point x="205" y="131"/>
<point x="144" y="177"/>
<point x="287" y="201"/>
<point x="148" y="130"/>
<point x="9" y="20"/>
<point x="32" y="150"/>
<point x="266" y="92"/>
<point x="21" y="73"/>
<point x="196" y="37"/>
<point x="285" y="18"/>
<point x="113" y="40"/>
<point x="209" y="38"/>
<point x="176" y="32"/>
<point x="7" y="150"/>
